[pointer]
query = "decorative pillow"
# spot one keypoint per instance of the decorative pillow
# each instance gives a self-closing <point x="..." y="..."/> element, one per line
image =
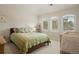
<point x="20" y="30"/>
<point x="23" y="30"/>
<point x="27" y="29"/>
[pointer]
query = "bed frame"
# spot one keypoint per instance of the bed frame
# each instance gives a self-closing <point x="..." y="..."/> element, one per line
<point x="34" y="47"/>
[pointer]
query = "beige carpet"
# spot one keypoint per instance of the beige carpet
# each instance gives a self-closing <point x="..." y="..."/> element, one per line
<point x="53" y="48"/>
<point x="10" y="48"/>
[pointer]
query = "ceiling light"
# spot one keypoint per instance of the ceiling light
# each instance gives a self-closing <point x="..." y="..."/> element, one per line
<point x="51" y="4"/>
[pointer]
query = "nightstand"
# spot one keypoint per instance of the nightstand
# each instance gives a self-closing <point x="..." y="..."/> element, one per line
<point x="2" y="44"/>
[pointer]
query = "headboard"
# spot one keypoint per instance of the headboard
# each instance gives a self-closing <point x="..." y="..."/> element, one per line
<point x="20" y="30"/>
<point x="12" y="30"/>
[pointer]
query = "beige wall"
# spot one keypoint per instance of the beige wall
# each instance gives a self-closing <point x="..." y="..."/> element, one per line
<point x="17" y="16"/>
<point x="74" y="11"/>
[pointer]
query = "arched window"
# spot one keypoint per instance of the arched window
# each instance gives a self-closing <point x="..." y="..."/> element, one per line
<point x="69" y="22"/>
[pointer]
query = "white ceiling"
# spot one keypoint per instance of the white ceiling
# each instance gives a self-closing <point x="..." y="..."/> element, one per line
<point x="38" y="8"/>
<point x="46" y="8"/>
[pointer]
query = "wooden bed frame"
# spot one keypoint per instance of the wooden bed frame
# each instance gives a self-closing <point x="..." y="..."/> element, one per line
<point x="34" y="47"/>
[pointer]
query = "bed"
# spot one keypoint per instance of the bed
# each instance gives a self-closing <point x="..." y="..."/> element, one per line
<point x="28" y="42"/>
<point x="70" y="42"/>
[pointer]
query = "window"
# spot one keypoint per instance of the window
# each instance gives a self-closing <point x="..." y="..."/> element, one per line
<point x="54" y="24"/>
<point x="45" y="25"/>
<point x="50" y="24"/>
<point x="69" y="22"/>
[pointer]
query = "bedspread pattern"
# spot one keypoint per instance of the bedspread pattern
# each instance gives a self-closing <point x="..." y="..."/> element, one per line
<point x="27" y="40"/>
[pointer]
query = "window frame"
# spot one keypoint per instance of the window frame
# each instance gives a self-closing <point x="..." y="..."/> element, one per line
<point x="74" y="23"/>
<point x="45" y="19"/>
<point x="55" y="18"/>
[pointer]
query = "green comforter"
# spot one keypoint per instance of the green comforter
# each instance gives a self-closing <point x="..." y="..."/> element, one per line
<point x="27" y="40"/>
